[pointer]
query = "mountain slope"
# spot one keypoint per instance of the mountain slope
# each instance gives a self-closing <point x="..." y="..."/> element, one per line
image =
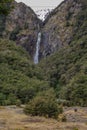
<point x="64" y="36"/>
<point x="66" y="69"/>
<point x="19" y="79"/>
<point x="58" y="28"/>
<point x="21" y="26"/>
<point x="43" y="13"/>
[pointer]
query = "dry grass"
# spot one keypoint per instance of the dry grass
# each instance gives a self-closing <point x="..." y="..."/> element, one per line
<point x="12" y="118"/>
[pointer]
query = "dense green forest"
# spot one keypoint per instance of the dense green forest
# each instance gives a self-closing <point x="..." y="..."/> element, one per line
<point x="19" y="78"/>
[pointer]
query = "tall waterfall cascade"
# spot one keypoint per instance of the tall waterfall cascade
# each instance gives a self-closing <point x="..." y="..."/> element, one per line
<point x="36" y="57"/>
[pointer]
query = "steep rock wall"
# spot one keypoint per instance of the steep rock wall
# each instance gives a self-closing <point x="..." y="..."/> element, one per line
<point x="58" y="28"/>
<point x="22" y="26"/>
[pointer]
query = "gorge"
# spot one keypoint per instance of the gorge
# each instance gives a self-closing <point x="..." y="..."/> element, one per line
<point x="21" y="26"/>
<point x="59" y="43"/>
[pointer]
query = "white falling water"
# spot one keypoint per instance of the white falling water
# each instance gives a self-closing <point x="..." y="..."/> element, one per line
<point x="36" y="57"/>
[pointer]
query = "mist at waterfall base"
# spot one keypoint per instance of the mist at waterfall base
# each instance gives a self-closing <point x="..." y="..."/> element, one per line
<point x="36" y="57"/>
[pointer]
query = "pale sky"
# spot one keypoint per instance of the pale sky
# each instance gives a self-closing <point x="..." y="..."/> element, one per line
<point x="38" y="4"/>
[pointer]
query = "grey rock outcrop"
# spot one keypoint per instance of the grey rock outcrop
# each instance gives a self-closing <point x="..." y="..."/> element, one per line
<point x="21" y="26"/>
<point x="58" y="28"/>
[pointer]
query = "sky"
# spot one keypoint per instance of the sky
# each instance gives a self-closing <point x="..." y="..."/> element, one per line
<point x="40" y="4"/>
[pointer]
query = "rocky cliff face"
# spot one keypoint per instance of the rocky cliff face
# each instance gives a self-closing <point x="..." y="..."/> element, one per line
<point x="58" y="30"/>
<point x="22" y="26"/>
<point x="59" y="27"/>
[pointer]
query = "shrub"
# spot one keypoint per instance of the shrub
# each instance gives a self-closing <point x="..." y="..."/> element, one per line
<point x="75" y="128"/>
<point x="18" y="103"/>
<point x="13" y="35"/>
<point x="44" y="104"/>
<point x="62" y="118"/>
<point x="5" y="6"/>
<point x="76" y="91"/>
<point x="2" y="98"/>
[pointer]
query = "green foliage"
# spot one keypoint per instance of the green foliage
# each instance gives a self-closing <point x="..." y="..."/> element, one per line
<point x="13" y="35"/>
<point x="66" y="70"/>
<point x="76" y="90"/>
<point x="2" y="23"/>
<point x="44" y="104"/>
<point x="19" y="78"/>
<point x="2" y="98"/>
<point x="62" y="118"/>
<point x="69" y="15"/>
<point x="75" y="128"/>
<point x="5" y="6"/>
<point x="18" y="103"/>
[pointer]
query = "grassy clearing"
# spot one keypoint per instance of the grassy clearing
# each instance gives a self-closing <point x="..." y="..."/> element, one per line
<point x="13" y="118"/>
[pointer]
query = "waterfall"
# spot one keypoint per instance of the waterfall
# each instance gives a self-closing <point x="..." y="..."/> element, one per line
<point x="36" y="57"/>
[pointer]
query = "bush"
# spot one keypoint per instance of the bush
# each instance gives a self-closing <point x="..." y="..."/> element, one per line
<point x="18" y="103"/>
<point x="76" y="91"/>
<point x="44" y="104"/>
<point x="5" y="6"/>
<point x="2" y="98"/>
<point x="62" y="118"/>
<point x="13" y="35"/>
<point x="75" y="128"/>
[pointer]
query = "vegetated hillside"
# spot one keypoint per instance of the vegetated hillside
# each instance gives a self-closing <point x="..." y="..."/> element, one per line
<point x="58" y="28"/>
<point x="20" y="25"/>
<point x="19" y="79"/>
<point x="66" y="70"/>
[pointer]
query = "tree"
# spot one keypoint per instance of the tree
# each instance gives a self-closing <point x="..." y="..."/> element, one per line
<point x="76" y="90"/>
<point x="5" y="6"/>
<point x="44" y="104"/>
